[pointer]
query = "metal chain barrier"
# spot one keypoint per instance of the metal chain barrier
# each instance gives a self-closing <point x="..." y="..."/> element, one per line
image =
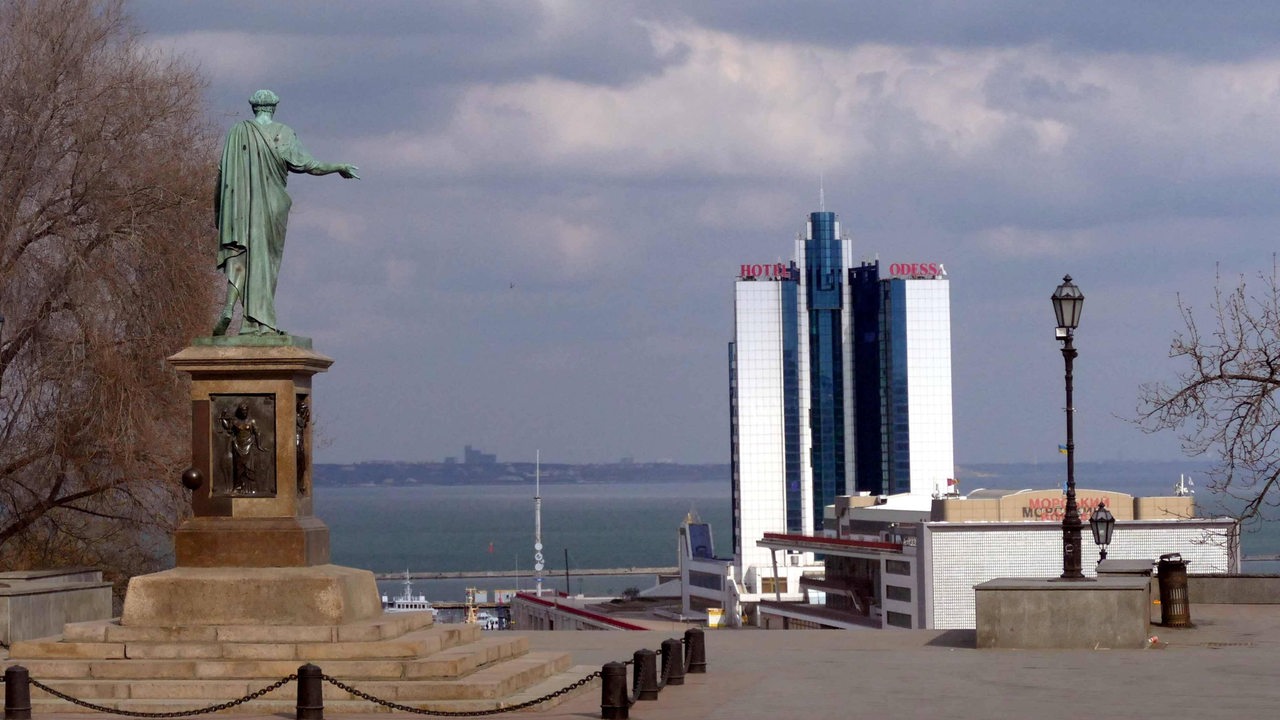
<point x="459" y="713"/>
<point x="178" y="713"/>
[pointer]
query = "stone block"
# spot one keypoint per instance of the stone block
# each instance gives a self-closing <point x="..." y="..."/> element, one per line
<point x="384" y="627"/>
<point x="57" y="669"/>
<point x="83" y="689"/>
<point x="143" y="669"/>
<point x="246" y="669"/>
<point x="172" y="651"/>
<point x="92" y="631"/>
<point x="350" y="671"/>
<point x="276" y="634"/>
<point x="222" y="690"/>
<point x="260" y="651"/>
<point x="320" y="595"/>
<point x="41" y="649"/>
<point x="1039" y="613"/>
<point x="251" y="542"/>
<point x="184" y="634"/>
<point x="317" y="652"/>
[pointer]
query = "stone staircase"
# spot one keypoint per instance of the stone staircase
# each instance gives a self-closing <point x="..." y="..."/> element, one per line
<point x="400" y="657"/>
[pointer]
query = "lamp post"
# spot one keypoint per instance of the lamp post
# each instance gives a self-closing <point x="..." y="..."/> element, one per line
<point x="1102" y="522"/>
<point x="1067" y="304"/>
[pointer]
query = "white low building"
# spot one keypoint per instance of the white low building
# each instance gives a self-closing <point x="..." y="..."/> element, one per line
<point x="892" y="562"/>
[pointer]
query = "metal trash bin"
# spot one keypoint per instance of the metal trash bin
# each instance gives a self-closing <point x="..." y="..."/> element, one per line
<point x="1175" y="608"/>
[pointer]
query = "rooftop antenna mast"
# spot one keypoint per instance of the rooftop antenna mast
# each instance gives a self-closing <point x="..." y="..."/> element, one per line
<point x="822" y="193"/>
<point x="537" y="522"/>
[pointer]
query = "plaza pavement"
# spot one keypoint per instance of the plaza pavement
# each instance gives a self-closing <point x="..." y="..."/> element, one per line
<point x="1228" y="666"/>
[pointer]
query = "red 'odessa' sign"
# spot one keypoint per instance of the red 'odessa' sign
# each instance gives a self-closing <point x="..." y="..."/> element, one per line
<point x="929" y="269"/>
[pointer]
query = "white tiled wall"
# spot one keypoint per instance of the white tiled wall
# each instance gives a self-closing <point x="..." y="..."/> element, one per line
<point x="966" y="554"/>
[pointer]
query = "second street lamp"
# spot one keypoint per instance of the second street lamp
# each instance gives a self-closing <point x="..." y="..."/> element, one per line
<point x="1068" y="301"/>
<point x="1102" y="522"/>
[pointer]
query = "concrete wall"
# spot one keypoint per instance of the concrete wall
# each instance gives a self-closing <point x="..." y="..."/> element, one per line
<point x="36" y="604"/>
<point x="1233" y="589"/>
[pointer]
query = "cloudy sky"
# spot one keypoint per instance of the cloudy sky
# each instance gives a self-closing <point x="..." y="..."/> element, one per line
<point x="556" y="197"/>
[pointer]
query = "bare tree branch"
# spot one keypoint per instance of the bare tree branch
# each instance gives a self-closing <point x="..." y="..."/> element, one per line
<point x="1224" y="400"/>
<point x="106" y="165"/>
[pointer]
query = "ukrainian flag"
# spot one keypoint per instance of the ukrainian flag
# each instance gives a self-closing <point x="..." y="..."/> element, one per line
<point x="1062" y="449"/>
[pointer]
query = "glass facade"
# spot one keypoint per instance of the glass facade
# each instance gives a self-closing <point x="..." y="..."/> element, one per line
<point x="896" y="432"/>
<point x="791" y="404"/>
<point x="824" y="293"/>
<point x="871" y="472"/>
<point x="902" y="364"/>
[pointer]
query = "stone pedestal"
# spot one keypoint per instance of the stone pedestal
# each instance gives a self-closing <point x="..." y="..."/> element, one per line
<point x="1040" y="613"/>
<point x="251" y="445"/>
<point x="253" y="552"/>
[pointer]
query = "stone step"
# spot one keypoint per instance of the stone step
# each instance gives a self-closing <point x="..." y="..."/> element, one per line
<point x="507" y="683"/>
<point x="414" y="644"/>
<point x="465" y="659"/>
<point x="385" y="627"/>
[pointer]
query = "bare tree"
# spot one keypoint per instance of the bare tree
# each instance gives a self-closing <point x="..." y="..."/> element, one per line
<point x="1224" y="399"/>
<point x="106" y="176"/>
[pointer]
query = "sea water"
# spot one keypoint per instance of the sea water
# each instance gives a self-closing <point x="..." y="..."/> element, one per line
<point x="457" y="528"/>
<point x="467" y="528"/>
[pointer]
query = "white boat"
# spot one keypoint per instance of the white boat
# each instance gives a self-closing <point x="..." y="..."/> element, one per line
<point x="407" y="601"/>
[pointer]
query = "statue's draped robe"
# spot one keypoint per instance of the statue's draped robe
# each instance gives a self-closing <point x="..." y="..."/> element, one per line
<point x="252" y="209"/>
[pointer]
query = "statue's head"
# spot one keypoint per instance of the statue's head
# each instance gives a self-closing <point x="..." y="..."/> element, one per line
<point x="264" y="100"/>
<point x="242" y="410"/>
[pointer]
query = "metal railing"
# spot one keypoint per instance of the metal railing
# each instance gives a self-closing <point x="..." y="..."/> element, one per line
<point x="678" y="658"/>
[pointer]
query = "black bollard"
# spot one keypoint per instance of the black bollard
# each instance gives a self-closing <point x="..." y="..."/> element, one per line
<point x="646" y="663"/>
<point x="17" y="693"/>
<point x="672" y="662"/>
<point x="613" y="691"/>
<point x="310" y="693"/>
<point x="695" y="651"/>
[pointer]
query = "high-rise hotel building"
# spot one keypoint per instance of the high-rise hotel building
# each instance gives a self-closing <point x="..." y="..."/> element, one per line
<point x="840" y="383"/>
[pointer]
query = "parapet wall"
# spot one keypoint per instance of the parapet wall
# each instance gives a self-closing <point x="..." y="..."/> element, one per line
<point x="37" y="604"/>
<point x="1233" y="590"/>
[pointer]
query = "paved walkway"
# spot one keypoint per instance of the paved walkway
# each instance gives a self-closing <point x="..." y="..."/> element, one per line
<point x="1228" y="666"/>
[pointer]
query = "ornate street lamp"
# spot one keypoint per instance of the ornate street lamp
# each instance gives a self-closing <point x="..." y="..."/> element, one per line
<point x="1068" y="301"/>
<point x="1102" y="522"/>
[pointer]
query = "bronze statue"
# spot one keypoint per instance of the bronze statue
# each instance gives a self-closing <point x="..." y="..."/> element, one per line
<point x="251" y="211"/>
<point x="243" y="440"/>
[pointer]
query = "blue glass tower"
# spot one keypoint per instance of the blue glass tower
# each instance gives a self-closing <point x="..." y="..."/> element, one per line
<point x="824" y="295"/>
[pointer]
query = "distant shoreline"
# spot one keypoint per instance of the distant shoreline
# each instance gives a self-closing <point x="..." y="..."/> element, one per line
<point x="1040" y="473"/>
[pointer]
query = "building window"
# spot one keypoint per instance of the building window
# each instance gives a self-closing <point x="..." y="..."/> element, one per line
<point x="901" y="594"/>
<point x="706" y="580"/>
<point x="898" y="619"/>
<point x="897" y="567"/>
<point x="773" y="585"/>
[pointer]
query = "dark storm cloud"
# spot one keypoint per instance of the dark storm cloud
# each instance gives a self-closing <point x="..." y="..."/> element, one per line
<point x="1222" y="31"/>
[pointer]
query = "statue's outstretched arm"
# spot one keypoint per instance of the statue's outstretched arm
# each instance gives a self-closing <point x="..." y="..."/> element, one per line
<point x="346" y="170"/>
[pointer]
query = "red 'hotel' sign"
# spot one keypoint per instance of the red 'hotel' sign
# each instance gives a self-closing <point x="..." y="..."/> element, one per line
<point x="772" y="271"/>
